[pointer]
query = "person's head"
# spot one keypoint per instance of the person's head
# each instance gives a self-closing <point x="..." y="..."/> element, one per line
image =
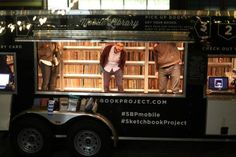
<point x="119" y="46"/>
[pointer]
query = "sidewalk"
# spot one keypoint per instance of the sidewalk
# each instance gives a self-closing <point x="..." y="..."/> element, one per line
<point x="4" y="142"/>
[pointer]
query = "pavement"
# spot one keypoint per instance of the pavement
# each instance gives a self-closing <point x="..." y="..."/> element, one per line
<point x="3" y="143"/>
<point x="144" y="149"/>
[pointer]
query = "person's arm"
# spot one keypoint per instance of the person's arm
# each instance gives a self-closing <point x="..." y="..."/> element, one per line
<point x="56" y="54"/>
<point x="102" y="57"/>
<point x="180" y="47"/>
<point x="156" y="62"/>
<point x="123" y="60"/>
<point x="59" y="51"/>
<point x="155" y="52"/>
<point x="155" y="47"/>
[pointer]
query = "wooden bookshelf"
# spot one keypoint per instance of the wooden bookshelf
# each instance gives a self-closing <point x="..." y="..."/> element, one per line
<point x="218" y="66"/>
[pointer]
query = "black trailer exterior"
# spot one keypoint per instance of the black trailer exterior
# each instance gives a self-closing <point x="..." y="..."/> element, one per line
<point x="107" y="117"/>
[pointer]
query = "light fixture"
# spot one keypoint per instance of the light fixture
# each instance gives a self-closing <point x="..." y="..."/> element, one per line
<point x="2" y="29"/>
<point x="28" y="26"/>
<point x="42" y="20"/>
<point x="11" y="26"/>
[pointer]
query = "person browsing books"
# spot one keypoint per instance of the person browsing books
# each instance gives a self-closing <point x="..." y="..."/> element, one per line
<point x="49" y="55"/>
<point x="112" y="62"/>
<point x="167" y="60"/>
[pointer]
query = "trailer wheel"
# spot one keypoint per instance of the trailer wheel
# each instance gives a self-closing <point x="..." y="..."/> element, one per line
<point x="89" y="139"/>
<point x="31" y="137"/>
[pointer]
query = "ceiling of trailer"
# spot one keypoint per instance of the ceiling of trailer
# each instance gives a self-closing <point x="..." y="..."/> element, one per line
<point x="102" y="35"/>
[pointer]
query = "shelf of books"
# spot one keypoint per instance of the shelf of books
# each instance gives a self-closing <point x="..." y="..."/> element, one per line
<point x="80" y="69"/>
<point x="219" y="66"/>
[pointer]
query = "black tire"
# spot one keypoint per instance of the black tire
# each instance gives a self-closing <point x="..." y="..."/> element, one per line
<point x="89" y="139"/>
<point x="31" y="137"/>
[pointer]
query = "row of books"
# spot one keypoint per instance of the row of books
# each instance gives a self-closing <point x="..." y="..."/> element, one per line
<point x="218" y="71"/>
<point x="135" y="55"/>
<point x="220" y="59"/>
<point x="134" y="70"/>
<point x="82" y="83"/>
<point x="81" y="54"/>
<point x="96" y="69"/>
<point x="218" y="66"/>
<point x="81" y="69"/>
<point x="129" y="84"/>
<point x="71" y="104"/>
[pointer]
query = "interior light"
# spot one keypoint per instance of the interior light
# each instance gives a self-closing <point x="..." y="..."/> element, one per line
<point x="28" y="26"/>
<point x="20" y="28"/>
<point x="42" y="20"/>
<point x="18" y="23"/>
<point x="34" y="18"/>
<point x="2" y="29"/>
<point x="11" y="26"/>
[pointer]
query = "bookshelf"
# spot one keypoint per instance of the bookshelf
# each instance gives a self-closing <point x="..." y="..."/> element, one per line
<point x="80" y="69"/>
<point x="80" y="66"/>
<point x="218" y="66"/>
<point x="222" y="66"/>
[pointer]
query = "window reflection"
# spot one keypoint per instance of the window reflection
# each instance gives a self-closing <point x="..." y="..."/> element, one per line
<point x="7" y="70"/>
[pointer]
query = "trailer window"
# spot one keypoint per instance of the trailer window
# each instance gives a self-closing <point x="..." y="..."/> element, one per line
<point x="7" y="72"/>
<point x="221" y="75"/>
<point x="80" y="67"/>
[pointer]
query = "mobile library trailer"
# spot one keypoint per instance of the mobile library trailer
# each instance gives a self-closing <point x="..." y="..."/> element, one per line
<point x="75" y="106"/>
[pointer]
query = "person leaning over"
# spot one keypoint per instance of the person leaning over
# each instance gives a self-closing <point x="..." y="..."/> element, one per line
<point x="167" y="59"/>
<point x="112" y="62"/>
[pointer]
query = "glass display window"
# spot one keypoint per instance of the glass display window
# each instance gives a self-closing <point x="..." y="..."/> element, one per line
<point x="221" y="75"/>
<point x="7" y="73"/>
<point x="82" y="66"/>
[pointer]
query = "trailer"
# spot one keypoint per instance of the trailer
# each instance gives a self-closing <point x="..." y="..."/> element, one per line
<point x="93" y="121"/>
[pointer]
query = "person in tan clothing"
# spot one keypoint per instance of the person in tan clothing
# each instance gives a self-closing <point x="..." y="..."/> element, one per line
<point x="167" y="59"/>
<point x="49" y="55"/>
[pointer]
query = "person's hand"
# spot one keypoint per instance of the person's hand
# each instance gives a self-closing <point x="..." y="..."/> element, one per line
<point x="101" y="69"/>
<point x="156" y="73"/>
<point x="155" y="46"/>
